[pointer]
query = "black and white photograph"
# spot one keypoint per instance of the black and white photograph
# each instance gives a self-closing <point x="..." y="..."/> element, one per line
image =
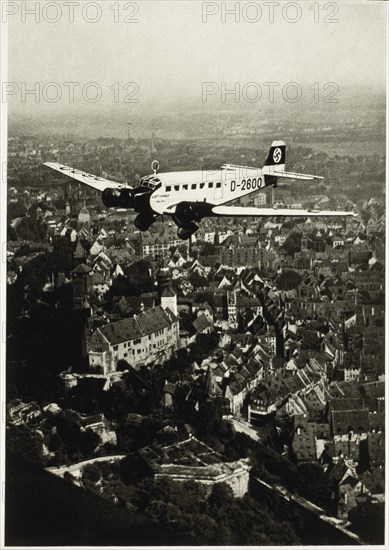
<point x="193" y="231"/>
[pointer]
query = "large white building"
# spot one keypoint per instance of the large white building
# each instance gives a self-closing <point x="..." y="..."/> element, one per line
<point x="151" y="336"/>
<point x="159" y="240"/>
<point x="193" y="460"/>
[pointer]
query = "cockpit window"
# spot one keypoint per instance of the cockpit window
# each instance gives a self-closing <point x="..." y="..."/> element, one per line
<point x="152" y="182"/>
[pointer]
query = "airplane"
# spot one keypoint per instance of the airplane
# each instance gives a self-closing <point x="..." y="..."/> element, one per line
<point x="190" y="196"/>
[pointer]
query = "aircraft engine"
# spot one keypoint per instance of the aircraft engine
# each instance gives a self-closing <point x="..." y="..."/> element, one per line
<point x="192" y="211"/>
<point x="143" y="222"/>
<point x="121" y="198"/>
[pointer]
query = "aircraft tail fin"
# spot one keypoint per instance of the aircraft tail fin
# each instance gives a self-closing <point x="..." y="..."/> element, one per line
<point x="276" y="156"/>
<point x="274" y="166"/>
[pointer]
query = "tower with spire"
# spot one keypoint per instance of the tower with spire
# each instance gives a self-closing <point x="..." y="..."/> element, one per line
<point x="84" y="217"/>
<point x="304" y="242"/>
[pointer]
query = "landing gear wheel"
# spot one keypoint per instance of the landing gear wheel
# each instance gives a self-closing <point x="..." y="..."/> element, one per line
<point x="187" y="231"/>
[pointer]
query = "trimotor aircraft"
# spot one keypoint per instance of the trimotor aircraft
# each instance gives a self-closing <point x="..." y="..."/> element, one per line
<point x="191" y="196"/>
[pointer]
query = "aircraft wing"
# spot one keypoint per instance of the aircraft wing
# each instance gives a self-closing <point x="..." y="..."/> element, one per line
<point x="89" y="179"/>
<point x="262" y="212"/>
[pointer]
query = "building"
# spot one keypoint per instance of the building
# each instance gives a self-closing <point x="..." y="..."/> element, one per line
<point x="169" y="301"/>
<point x="159" y="241"/>
<point x="260" y="199"/>
<point x="84" y="217"/>
<point x="151" y="336"/>
<point x="239" y="255"/>
<point x="349" y="428"/>
<point x="192" y="460"/>
<point x="232" y="310"/>
<point x="82" y="284"/>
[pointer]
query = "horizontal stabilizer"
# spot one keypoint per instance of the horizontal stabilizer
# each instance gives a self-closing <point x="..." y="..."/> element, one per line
<point x="235" y="167"/>
<point x="270" y="171"/>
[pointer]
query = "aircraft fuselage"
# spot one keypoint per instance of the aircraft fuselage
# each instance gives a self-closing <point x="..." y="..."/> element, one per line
<point x="213" y="187"/>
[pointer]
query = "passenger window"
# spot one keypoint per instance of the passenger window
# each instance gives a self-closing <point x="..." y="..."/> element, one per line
<point x="168" y="188"/>
<point x="194" y="186"/>
<point x="210" y="184"/>
<point x="176" y="188"/>
<point x="202" y="185"/>
<point x="219" y="184"/>
<point x="185" y="187"/>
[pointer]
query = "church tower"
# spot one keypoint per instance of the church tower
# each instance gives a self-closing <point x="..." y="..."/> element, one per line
<point x="164" y="280"/>
<point x="82" y="283"/>
<point x="232" y="307"/>
<point x="304" y="242"/>
<point x="169" y="300"/>
<point x="84" y="217"/>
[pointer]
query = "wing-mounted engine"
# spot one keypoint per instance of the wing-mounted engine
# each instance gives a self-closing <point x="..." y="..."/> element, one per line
<point x="187" y="212"/>
<point x="137" y="198"/>
<point x="119" y="198"/>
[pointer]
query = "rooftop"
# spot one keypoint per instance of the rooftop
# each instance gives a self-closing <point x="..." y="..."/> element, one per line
<point x="145" y="323"/>
<point x="82" y="268"/>
<point x="344" y="422"/>
<point x="188" y="458"/>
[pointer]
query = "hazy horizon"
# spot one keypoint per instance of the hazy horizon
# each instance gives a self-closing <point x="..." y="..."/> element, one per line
<point x="170" y="53"/>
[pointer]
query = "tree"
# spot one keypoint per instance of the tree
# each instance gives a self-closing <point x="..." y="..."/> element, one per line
<point x="88" y="443"/>
<point x="221" y="495"/>
<point x="91" y="474"/>
<point x="197" y="280"/>
<point x="117" y="402"/>
<point x="310" y="340"/>
<point x="278" y="362"/>
<point x="30" y="229"/>
<point x="208" y="249"/>
<point x="368" y="521"/>
<point x="315" y="485"/>
<point x="133" y="469"/>
<point x="11" y="233"/>
<point x="289" y="279"/>
<point x="122" y="365"/>
<point x="61" y="259"/>
<point x="210" y="417"/>
<point x="292" y="244"/>
<point x="22" y="441"/>
<point x="16" y="210"/>
<point x="206" y="343"/>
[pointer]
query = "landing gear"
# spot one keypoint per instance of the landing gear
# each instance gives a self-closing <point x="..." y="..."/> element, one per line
<point x="187" y="231"/>
<point x="143" y="223"/>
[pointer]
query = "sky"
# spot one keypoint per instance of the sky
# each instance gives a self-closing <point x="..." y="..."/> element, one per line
<point x="170" y="49"/>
